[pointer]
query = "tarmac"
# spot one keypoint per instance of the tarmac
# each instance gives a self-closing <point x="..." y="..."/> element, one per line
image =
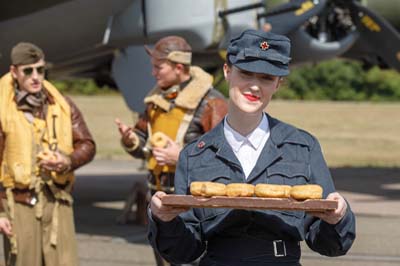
<point x="102" y="186"/>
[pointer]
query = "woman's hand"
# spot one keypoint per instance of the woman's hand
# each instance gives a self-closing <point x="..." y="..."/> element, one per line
<point x="162" y="212"/>
<point x="333" y="216"/>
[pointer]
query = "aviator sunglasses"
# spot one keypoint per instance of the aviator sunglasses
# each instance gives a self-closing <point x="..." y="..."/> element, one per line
<point x="29" y="70"/>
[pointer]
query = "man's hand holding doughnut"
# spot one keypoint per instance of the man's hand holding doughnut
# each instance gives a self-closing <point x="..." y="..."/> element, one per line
<point x="165" y="150"/>
<point x="54" y="161"/>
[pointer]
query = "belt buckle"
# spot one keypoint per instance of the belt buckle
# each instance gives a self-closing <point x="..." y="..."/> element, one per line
<point x="279" y="248"/>
<point x="33" y="200"/>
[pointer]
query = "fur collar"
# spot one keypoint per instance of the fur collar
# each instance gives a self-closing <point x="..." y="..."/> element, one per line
<point x="190" y="96"/>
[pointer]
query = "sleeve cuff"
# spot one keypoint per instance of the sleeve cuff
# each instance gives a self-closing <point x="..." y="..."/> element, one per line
<point x="136" y="142"/>
<point x="342" y="226"/>
<point x="169" y="226"/>
<point x="166" y="229"/>
<point x="152" y="229"/>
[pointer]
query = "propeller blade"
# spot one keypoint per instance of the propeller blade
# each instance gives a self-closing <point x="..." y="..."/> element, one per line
<point x="289" y="16"/>
<point x="377" y="34"/>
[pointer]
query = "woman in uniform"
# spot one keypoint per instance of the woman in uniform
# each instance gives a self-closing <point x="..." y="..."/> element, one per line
<point x="250" y="146"/>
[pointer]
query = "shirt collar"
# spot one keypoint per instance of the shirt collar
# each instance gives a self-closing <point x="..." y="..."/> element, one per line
<point x="255" y="138"/>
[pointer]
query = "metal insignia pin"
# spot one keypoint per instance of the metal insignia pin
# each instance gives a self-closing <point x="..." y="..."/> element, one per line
<point x="264" y="46"/>
<point x="201" y="144"/>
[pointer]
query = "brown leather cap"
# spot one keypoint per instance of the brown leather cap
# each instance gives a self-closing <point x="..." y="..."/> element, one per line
<point x="25" y="53"/>
<point x="173" y="48"/>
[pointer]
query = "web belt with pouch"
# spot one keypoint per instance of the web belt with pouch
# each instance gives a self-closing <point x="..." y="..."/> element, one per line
<point x="24" y="196"/>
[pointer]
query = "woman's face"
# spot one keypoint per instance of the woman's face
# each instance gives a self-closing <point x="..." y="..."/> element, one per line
<point x="249" y="92"/>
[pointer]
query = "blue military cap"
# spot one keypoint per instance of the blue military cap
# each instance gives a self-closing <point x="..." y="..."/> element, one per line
<point x="260" y="52"/>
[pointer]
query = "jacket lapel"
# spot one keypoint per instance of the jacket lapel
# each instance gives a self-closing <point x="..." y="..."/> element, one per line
<point x="224" y="150"/>
<point x="270" y="152"/>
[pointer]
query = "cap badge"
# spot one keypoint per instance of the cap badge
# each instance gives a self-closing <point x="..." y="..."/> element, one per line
<point x="264" y="46"/>
<point x="201" y="144"/>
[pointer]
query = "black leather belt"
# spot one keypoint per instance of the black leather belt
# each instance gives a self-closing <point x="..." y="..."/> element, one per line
<point x="241" y="251"/>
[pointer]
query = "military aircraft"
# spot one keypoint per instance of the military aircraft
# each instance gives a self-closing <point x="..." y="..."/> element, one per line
<point x="104" y="39"/>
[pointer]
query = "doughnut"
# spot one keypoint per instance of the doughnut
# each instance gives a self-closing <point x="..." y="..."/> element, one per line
<point x="239" y="190"/>
<point x="196" y="188"/>
<point x="303" y="192"/>
<point x="272" y="191"/>
<point x="159" y="140"/>
<point x="46" y="155"/>
<point x="207" y="189"/>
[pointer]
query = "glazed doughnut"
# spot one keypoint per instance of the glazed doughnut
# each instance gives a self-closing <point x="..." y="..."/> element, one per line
<point x="159" y="140"/>
<point x="239" y="190"/>
<point x="207" y="189"/>
<point x="303" y="192"/>
<point x="272" y="191"/>
<point x="46" y="155"/>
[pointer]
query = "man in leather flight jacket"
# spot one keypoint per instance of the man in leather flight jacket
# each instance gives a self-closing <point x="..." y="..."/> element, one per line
<point x="250" y="146"/>
<point x="182" y="106"/>
<point x="43" y="139"/>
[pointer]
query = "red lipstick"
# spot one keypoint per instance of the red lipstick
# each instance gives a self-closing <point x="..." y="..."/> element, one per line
<point x="251" y="97"/>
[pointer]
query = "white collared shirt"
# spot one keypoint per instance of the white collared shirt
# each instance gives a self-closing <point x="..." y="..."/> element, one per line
<point x="248" y="148"/>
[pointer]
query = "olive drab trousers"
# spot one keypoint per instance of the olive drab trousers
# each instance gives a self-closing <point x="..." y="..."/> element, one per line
<point x="33" y="236"/>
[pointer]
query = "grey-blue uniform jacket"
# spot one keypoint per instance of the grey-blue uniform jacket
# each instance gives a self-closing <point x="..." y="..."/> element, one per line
<point x="251" y="237"/>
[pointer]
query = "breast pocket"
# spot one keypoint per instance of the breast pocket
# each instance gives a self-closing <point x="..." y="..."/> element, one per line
<point x="212" y="173"/>
<point x="288" y="173"/>
<point x="217" y="173"/>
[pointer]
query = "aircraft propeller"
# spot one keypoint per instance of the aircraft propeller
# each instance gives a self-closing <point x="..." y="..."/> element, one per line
<point x="377" y="36"/>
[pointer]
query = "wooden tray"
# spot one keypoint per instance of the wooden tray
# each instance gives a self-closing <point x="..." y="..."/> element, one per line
<point x="249" y="203"/>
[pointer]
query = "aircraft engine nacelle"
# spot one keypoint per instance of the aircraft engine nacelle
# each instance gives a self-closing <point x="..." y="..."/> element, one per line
<point x="326" y="29"/>
<point x="197" y="21"/>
